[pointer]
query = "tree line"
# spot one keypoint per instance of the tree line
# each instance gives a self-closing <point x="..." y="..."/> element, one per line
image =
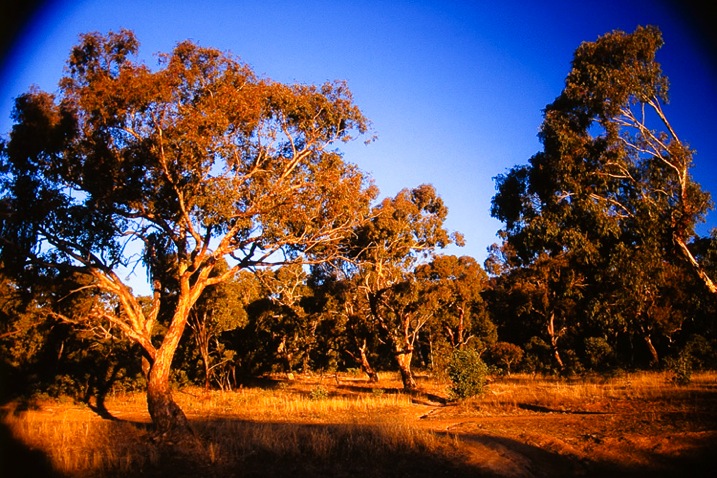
<point x="267" y="251"/>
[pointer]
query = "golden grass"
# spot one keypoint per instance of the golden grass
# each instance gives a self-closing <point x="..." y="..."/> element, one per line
<point x="523" y="393"/>
<point x="262" y="432"/>
<point x="307" y="427"/>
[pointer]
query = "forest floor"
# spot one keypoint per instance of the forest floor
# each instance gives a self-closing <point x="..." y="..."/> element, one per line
<point x="522" y="426"/>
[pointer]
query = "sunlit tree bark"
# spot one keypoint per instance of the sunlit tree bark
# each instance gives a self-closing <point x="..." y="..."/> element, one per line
<point x="175" y="170"/>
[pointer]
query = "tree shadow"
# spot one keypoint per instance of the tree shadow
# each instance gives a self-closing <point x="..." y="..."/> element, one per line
<point x="419" y="396"/>
<point x="525" y="459"/>
<point x="277" y="449"/>
<point x="19" y="460"/>
<point x="228" y="447"/>
<point x="542" y="409"/>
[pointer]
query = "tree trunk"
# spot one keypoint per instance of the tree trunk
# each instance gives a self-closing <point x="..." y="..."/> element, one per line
<point x="554" y="340"/>
<point x="366" y="365"/>
<point x="362" y="360"/>
<point x="201" y="335"/>
<point x="207" y="372"/>
<point x="655" y="357"/>
<point x="461" y="326"/>
<point x="166" y="415"/>
<point x="706" y="280"/>
<point x="404" y="366"/>
<point x="403" y="357"/>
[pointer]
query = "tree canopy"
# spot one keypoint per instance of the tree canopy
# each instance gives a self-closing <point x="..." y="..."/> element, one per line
<point x="176" y="169"/>
<point x="610" y="197"/>
<point x="612" y="169"/>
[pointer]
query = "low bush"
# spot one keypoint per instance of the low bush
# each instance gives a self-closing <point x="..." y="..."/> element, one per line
<point x="467" y="373"/>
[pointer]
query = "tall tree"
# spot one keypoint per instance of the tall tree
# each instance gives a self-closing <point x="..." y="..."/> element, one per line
<point x="194" y="162"/>
<point x="613" y="168"/>
<point x="613" y="176"/>
<point x="640" y="168"/>
<point x="404" y="231"/>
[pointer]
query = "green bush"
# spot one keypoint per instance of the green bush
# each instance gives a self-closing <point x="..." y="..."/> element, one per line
<point x="701" y="352"/>
<point x="467" y="373"/>
<point x="319" y="393"/>
<point x="598" y="354"/>
<point x="681" y="368"/>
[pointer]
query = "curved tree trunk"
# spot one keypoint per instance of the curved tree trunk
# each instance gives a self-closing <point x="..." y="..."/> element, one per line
<point x="654" y="356"/>
<point x="706" y="280"/>
<point x="167" y="416"/>
<point x="362" y="361"/>
<point x="366" y="365"/>
<point x="554" y="336"/>
<point x="403" y="357"/>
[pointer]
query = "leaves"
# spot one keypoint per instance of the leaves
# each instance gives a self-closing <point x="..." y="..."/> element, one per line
<point x="595" y="217"/>
<point x="176" y="169"/>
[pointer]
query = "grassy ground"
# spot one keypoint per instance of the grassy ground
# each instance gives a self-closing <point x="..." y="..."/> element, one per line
<point x="632" y="425"/>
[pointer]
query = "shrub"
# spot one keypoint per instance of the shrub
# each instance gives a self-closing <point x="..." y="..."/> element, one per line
<point x="537" y="357"/>
<point x="467" y="373"/>
<point x="319" y="393"/>
<point x="701" y="353"/>
<point x="681" y="368"/>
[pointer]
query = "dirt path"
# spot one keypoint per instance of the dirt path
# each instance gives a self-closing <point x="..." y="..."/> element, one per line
<point x="548" y="444"/>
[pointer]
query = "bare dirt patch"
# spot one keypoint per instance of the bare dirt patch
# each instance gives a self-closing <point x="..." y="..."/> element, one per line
<point x="640" y="427"/>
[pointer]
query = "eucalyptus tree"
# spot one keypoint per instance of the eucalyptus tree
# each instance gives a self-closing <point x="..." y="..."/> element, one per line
<point x="456" y="285"/>
<point x="404" y="231"/>
<point x="612" y="176"/>
<point x="639" y="168"/>
<point x="289" y="315"/>
<point x="175" y="168"/>
<point x="220" y="309"/>
<point x="540" y="301"/>
<point x="346" y="315"/>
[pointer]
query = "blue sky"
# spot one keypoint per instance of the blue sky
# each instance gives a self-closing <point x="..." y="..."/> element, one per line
<point x="454" y="89"/>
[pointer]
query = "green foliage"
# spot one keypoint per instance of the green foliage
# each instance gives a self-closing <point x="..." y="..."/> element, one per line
<point x="681" y="368"/>
<point x="697" y="354"/>
<point x="701" y="352"/>
<point x="586" y="270"/>
<point x="599" y="225"/>
<point x="319" y="392"/>
<point x="537" y="356"/>
<point x="191" y="163"/>
<point x="468" y="374"/>
<point x="599" y="355"/>
<point x="505" y="356"/>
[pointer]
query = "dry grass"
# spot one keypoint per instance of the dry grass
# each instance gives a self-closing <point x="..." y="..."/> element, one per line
<point x="314" y="426"/>
<point x="299" y="428"/>
<point x="591" y="394"/>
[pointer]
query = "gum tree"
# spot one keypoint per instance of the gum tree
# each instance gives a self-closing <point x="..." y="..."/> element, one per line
<point x="404" y="231"/>
<point x="613" y="177"/>
<point x="455" y="285"/>
<point x="177" y="169"/>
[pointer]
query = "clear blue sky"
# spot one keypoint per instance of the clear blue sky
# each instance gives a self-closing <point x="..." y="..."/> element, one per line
<point x="455" y="89"/>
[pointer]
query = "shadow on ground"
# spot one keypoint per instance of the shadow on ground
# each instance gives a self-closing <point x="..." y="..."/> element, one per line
<point x="525" y="460"/>
<point x="228" y="447"/>
<point x="18" y="460"/>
